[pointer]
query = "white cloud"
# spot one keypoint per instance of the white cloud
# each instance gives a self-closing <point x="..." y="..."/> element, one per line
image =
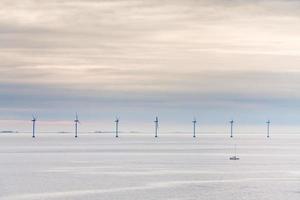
<point x="137" y="50"/>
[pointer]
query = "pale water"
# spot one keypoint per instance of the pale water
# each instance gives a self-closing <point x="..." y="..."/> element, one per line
<point x="172" y="167"/>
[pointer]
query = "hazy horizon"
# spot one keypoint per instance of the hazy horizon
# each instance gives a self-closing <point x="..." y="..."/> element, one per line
<point x="216" y="60"/>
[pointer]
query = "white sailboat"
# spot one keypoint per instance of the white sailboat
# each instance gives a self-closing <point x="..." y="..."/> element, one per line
<point x="235" y="156"/>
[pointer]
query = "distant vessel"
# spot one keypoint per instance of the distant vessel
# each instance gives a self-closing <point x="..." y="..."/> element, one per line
<point x="235" y="156"/>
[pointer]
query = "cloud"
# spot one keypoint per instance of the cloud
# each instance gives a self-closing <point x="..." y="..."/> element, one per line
<point x="148" y="56"/>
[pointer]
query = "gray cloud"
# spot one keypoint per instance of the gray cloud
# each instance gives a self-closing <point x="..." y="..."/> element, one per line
<point x="149" y="55"/>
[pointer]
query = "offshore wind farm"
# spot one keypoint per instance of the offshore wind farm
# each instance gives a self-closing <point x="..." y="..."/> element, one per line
<point x="96" y="165"/>
<point x="156" y="122"/>
<point x="149" y="99"/>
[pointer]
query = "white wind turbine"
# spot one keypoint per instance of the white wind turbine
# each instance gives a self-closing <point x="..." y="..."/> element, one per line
<point x="268" y="128"/>
<point x="194" y="127"/>
<point x="117" y="127"/>
<point x="33" y="126"/>
<point x="76" y="125"/>
<point x="231" y="128"/>
<point x="156" y="127"/>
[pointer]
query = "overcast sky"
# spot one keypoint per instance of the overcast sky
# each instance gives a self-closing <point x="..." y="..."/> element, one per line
<point x="214" y="59"/>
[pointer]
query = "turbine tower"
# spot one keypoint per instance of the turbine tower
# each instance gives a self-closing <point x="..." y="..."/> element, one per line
<point x="194" y="127"/>
<point x="156" y="127"/>
<point x="33" y="126"/>
<point x="268" y="128"/>
<point x="231" y="128"/>
<point x="117" y="127"/>
<point x="76" y="125"/>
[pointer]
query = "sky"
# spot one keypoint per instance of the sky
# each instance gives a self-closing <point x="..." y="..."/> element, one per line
<point x="215" y="60"/>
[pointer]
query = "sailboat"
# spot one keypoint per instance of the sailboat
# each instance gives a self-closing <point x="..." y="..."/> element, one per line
<point x="235" y="156"/>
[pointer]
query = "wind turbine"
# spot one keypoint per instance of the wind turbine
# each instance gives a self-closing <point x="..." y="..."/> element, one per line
<point x="76" y="125"/>
<point x="194" y="127"/>
<point x="33" y="126"/>
<point x="117" y="127"/>
<point x="268" y="128"/>
<point x="231" y="128"/>
<point x="156" y="127"/>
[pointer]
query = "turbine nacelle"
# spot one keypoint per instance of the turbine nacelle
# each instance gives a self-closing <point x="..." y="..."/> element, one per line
<point x="33" y="118"/>
<point x="194" y="121"/>
<point x="76" y="119"/>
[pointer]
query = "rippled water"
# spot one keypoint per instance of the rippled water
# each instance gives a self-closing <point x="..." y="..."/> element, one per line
<point x="95" y="166"/>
